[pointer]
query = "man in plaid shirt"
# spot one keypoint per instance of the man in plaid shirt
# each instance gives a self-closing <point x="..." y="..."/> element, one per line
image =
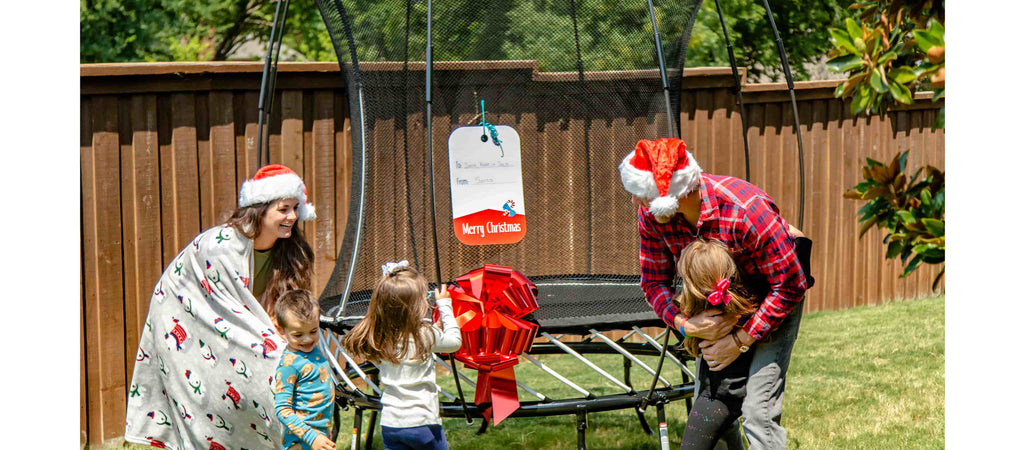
<point x="678" y="204"/>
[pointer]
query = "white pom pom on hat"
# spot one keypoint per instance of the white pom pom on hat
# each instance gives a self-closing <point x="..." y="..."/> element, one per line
<point x="274" y="182"/>
<point x="661" y="172"/>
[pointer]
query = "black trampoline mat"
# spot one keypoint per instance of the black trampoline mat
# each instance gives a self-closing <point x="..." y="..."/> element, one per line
<point x="566" y="304"/>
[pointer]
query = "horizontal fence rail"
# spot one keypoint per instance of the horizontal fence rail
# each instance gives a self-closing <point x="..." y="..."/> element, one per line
<point x="164" y="149"/>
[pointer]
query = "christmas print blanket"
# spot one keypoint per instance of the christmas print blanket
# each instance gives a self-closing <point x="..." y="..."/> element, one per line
<point x="207" y="354"/>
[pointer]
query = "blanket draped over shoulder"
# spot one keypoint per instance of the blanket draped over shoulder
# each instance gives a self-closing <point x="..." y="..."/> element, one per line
<point x="207" y="353"/>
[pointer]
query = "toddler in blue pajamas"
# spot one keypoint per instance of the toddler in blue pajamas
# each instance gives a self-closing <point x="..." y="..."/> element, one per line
<point x="304" y="394"/>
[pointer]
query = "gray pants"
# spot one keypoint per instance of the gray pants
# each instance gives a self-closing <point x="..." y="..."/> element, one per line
<point x="763" y="405"/>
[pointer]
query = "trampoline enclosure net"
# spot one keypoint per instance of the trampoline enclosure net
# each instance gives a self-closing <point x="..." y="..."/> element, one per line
<point x="577" y="90"/>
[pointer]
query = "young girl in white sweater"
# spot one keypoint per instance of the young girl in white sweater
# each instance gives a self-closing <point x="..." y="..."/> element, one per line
<point x="397" y="336"/>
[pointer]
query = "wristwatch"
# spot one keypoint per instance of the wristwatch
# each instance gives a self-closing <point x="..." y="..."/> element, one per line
<point x="743" y="348"/>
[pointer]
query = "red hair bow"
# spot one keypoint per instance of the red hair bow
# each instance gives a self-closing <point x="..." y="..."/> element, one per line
<point x="721" y="296"/>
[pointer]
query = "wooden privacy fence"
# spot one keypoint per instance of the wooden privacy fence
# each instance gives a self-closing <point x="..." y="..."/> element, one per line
<point x="165" y="147"/>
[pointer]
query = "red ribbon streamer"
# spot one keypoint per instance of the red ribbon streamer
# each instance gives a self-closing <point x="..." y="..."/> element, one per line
<point x="489" y="304"/>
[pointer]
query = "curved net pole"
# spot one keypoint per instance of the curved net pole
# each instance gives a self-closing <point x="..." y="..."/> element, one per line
<point x="268" y="80"/>
<point x="405" y="135"/>
<point x="587" y="135"/>
<point x="672" y="133"/>
<point x="340" y="29"/>
<point x="793" y="103"/>
<point x="740" y="95"/>
<point x="430" y="181"/>
<point x="662" y="70"/>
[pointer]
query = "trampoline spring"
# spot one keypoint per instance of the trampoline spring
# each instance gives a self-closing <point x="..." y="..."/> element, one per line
<point x="449" y="368"/>
<point x="587" y="362"/>
<point x="359" y="371"/>
<point x="446" y="394"/>
<point x="341" y="371"/>
<point x="669" y="355"/>
<point x="627" y="336"/>
<point x="557" y="376"/>
<point x="540" y="396"/>
<point x="628" y="355"/>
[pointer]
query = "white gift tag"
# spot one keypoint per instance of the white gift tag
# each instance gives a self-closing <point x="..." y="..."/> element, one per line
<point x="487" y="186"/>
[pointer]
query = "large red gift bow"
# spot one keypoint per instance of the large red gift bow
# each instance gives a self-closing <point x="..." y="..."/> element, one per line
<point x="489" y="303"/>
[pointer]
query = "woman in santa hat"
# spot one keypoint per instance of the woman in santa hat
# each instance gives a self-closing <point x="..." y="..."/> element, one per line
<point x="208" y="348"/>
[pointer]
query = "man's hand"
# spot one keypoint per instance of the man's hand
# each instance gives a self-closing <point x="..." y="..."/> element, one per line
<point x="708" y="324"/>
<point x="321" y="442"/>
<point x="719" y="353"/>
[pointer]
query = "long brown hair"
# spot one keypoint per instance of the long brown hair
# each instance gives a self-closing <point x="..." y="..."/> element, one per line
<point x="394" y="319"/>
<point x="702" y="265"/>
<point x="292" y="265"/>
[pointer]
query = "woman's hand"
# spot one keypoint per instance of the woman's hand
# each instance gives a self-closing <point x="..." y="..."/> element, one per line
<point x="710" y="324"/>
<point x="719" y="353"/>
<point x="321" y="442"/>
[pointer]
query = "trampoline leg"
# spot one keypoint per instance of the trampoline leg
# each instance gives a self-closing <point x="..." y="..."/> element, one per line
<point x="357" y="423"/>
<point x="663" y="429"/>
<point x="337" y="423"/>
<point x="689" y="400"/>
<point x="626" y="372"/>
<point x="644" y="423"/>
<point x="581" y="426"/>
<point x="370" y="430"/>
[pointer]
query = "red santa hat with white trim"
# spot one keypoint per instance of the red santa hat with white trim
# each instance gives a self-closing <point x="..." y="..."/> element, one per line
<point x="274" y="182"/>
<point x="661" y="172"/>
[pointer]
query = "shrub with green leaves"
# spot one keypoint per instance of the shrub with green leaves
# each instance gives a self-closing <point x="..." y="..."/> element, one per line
<point x="888" y="52"/>
<point x="910" y="209"/>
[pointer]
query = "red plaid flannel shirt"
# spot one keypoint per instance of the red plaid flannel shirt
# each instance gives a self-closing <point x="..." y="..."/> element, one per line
<point x="746" y="219"/>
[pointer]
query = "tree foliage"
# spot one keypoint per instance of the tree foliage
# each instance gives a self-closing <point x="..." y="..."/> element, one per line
<point x="179" y="30"/>
<point x="189" y="30"/>
<point x="892" y="48"/>
<point x="911" y="209"/>
<point x="888" y="51"/>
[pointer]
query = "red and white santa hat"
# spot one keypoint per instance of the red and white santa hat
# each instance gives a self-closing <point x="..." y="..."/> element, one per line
<point x="661" y="172"/>
<point x="273" y="182"/>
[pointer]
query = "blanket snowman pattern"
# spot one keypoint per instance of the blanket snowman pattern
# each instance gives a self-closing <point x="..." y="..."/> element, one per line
<point x="207" y="354"/>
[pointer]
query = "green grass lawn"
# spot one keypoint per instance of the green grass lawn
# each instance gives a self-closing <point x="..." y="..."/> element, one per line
<point x="862" y="378"/>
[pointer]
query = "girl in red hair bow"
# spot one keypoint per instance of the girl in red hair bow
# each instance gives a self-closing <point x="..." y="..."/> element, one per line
<point x="710" y="283"/>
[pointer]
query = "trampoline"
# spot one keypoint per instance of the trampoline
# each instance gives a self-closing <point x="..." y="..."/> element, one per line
<point x="579" y="99"/>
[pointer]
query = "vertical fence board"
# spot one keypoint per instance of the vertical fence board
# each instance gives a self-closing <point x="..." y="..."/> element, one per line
<point x="322" y="186"/>
<point x="870" y="278"/>
<point x="291" y="149"/>
<point x="85" y="148"/>
<point x="248" y="143"/>
<point x="756" y="143"/>
<point x="834" y="193"/>
<point x="720" y="132"/>
<point x="204" y="170"/>
<point x="816" y="209"/>
<point x="140" y="212"/>
<point x="217" y="164"/>
<point x="103" y="281"/>
<point x="772" y="136"/>
<point x="179" y="177"/>
<point x="704" y="103"/>
<point x="851" y="293"/>
<point x="343" y="168"/>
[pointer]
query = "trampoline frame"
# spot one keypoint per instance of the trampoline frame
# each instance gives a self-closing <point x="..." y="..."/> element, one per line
<point x="349" y="395"/>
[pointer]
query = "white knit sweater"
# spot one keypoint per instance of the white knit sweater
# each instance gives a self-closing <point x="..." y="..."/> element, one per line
<point x="410" y="397"/>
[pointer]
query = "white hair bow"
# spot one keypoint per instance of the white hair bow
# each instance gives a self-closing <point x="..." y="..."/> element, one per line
<point x="389" y="268"/>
